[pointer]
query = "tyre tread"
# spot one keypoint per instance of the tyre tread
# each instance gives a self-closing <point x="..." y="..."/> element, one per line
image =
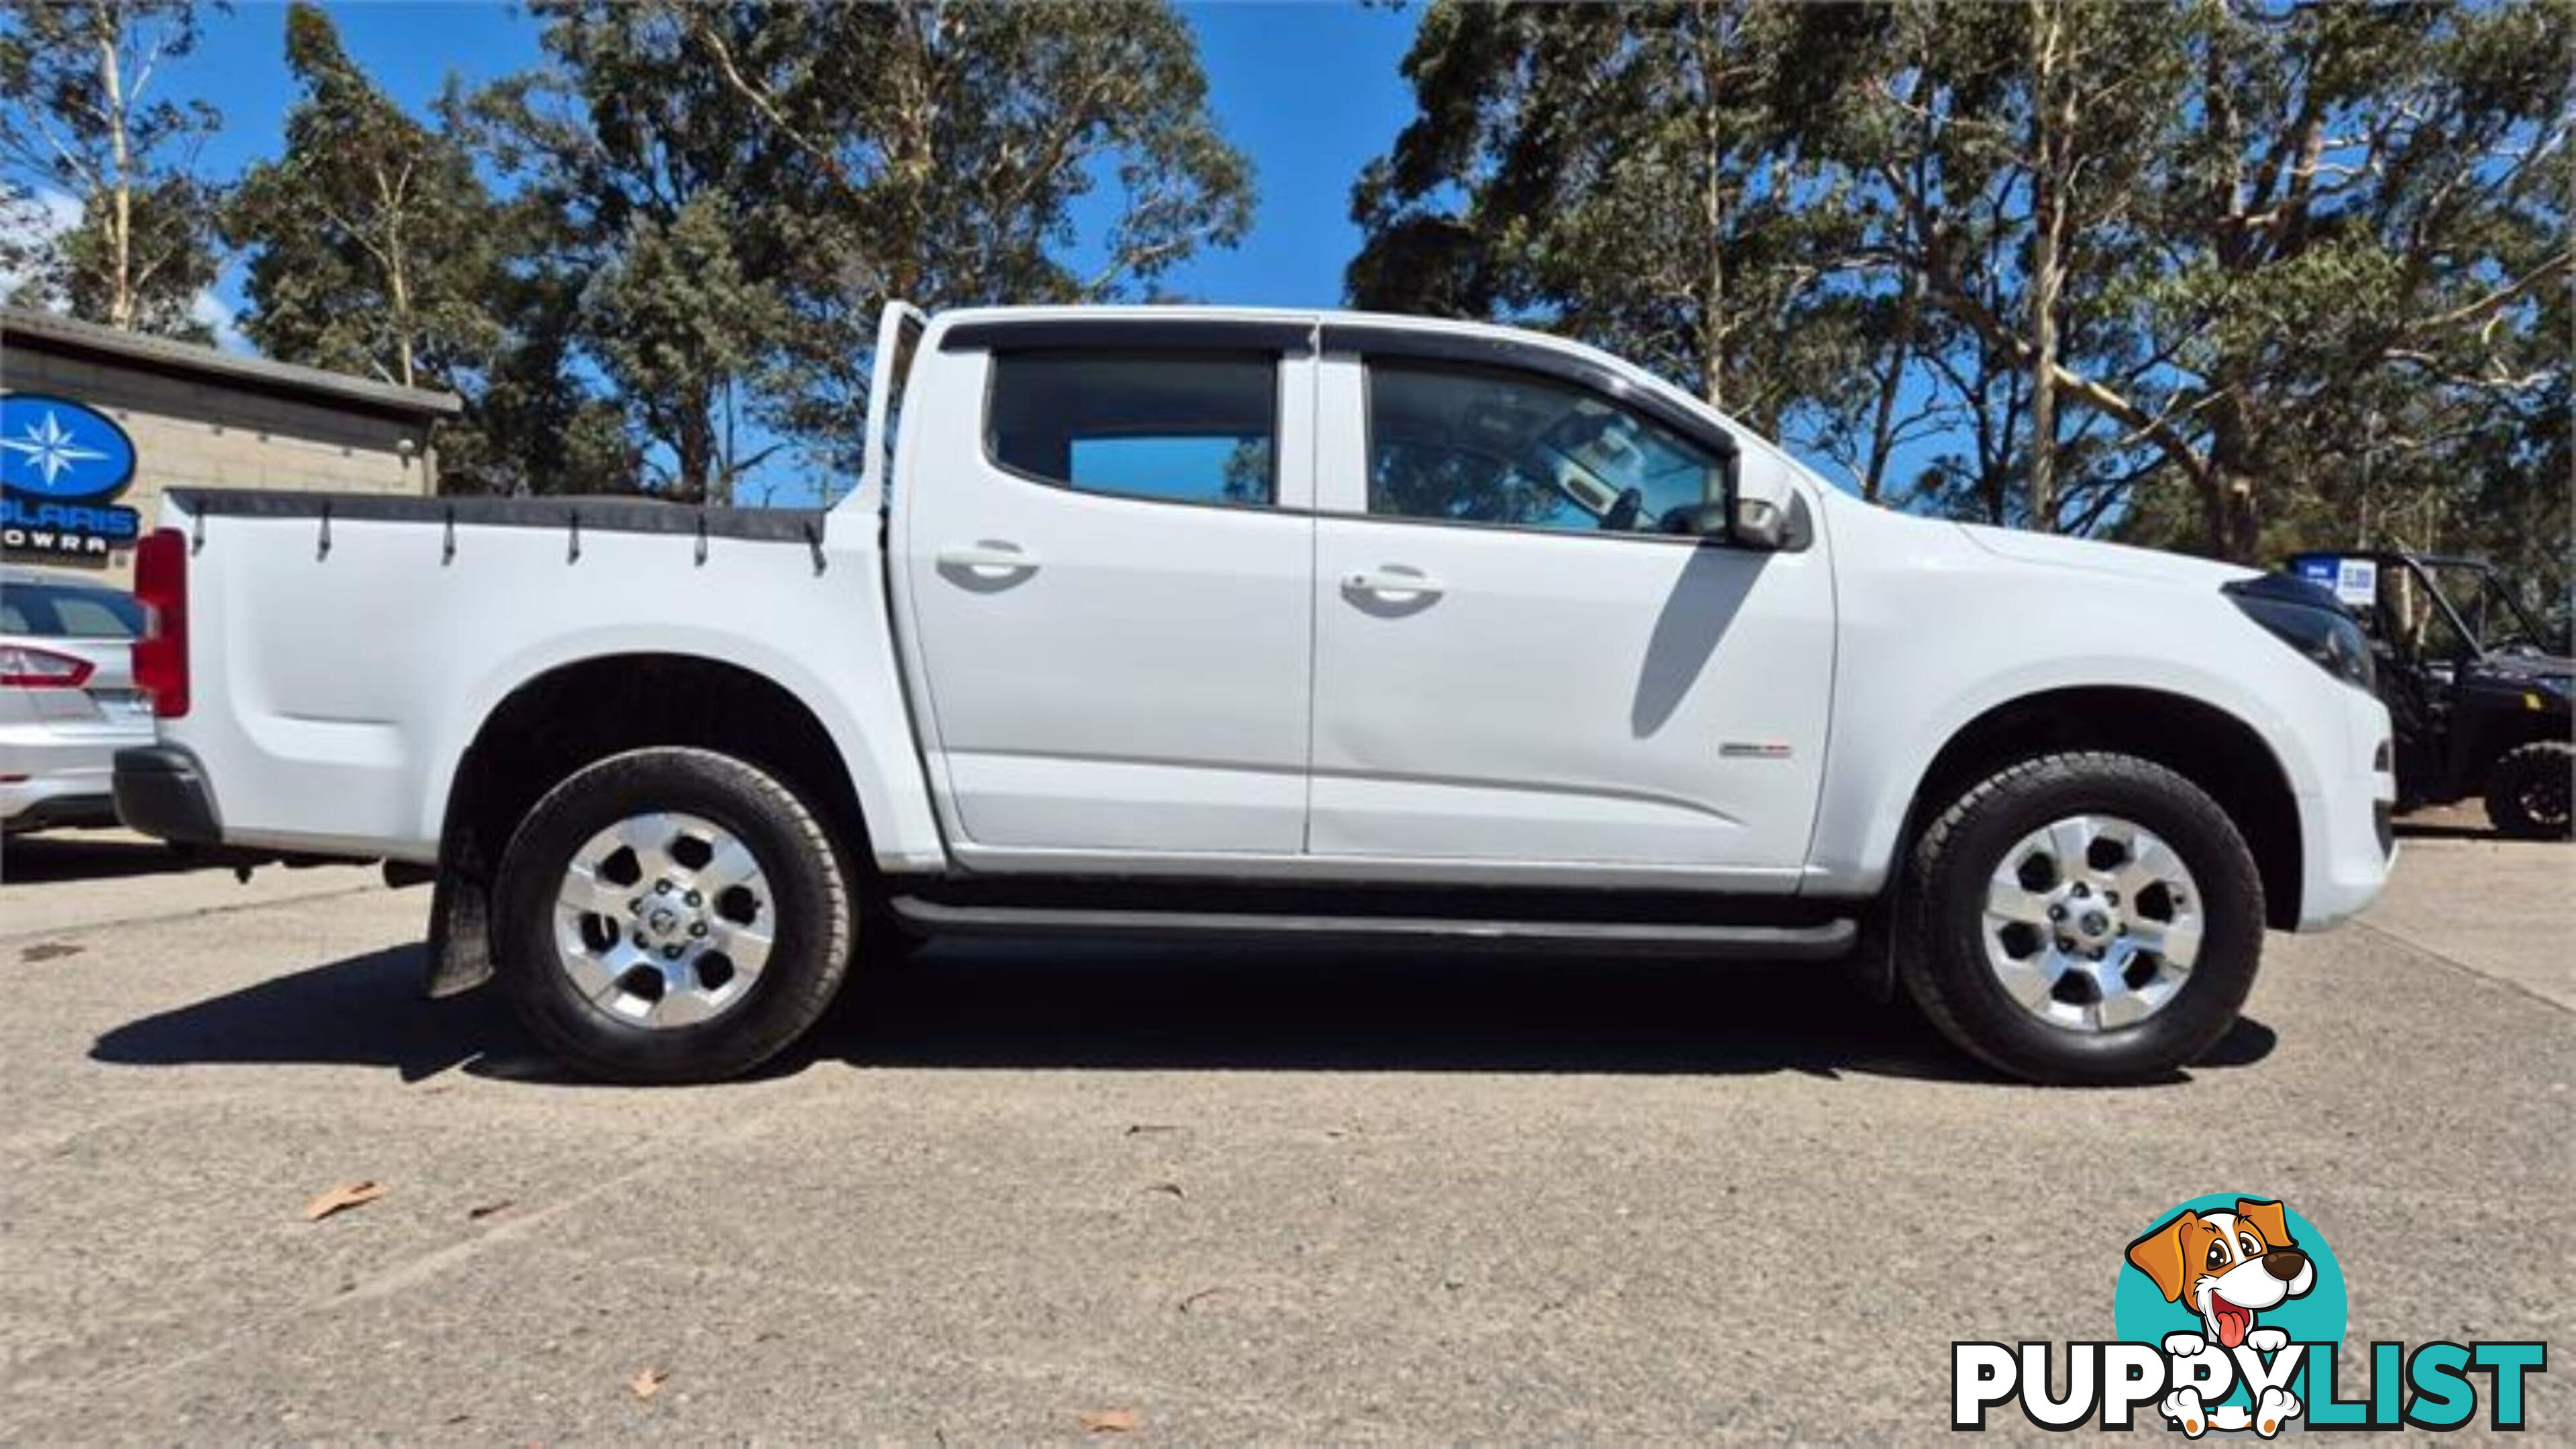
<point x="815" y="989"/>
<point x="2505" y="813"/>
<point x="1917" y="916"/>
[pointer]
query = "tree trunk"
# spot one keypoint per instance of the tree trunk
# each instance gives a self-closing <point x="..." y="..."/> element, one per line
<point x="2231" y="510"/>
<point x="1708" y="54"/>
<point x="398" y="277"/>
<point x="399" y="285"/>
<point x="2231" y="495"/>
<point x="1882" y="429"/>
<point x="693" y="453"/>
<point x="1712" y="316"/>
<point x="2052" y="124"/>
<point x="120" y="191"/>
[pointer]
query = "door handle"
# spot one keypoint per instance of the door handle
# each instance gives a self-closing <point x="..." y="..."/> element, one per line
<point x="988" y="558"/>
<point x="1394" y="579"/>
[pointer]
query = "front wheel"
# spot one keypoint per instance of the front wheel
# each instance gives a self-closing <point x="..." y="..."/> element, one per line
<point x="2082" y="918"/>
<point x="671" y="915"/>
<point x="2527" y="790"/>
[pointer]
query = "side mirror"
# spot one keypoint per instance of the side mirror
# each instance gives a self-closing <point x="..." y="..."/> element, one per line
<point x="1765" y="503"/>
<point x="1760" y="524"/>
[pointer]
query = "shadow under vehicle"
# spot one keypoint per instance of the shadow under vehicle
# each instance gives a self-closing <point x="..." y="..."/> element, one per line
<point x="2475" y="685"/>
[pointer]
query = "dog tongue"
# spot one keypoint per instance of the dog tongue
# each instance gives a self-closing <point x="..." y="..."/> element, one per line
<point x="2233" y="1322"/>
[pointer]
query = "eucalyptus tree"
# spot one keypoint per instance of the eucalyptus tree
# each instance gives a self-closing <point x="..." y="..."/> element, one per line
<point x="2268" y="220"/>
<point x="80" y="121"/>
<point x="1632" y="175"/>
<point x="374" y="247"/>
<point x="949" y="154"/>
<point x="745" y="184"/>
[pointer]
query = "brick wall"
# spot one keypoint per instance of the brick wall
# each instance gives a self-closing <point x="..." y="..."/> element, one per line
<point x="215" y="434"/>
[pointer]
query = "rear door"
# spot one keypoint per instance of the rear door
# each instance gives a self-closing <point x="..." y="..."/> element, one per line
<point x="1106" y="563"/>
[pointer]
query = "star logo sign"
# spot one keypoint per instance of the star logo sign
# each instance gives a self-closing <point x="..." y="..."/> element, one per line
<point x="49" y="449"/>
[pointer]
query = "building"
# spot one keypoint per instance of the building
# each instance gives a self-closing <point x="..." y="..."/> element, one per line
<point x="95" y="423"/>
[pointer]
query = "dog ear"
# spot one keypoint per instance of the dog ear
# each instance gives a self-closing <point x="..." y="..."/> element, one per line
<point x="2159" y="1255"/>
<point x="2267" y="1219"/>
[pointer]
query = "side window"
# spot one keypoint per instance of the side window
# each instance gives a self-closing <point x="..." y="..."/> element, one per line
<point x="1475" y="445"/>
<point x="1185" y="427"/>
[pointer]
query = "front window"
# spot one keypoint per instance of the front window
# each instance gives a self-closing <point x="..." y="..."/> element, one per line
<point x="1179" y="427"/>
<point x="1477" y="445"/>
<point x="2494" y="616"/>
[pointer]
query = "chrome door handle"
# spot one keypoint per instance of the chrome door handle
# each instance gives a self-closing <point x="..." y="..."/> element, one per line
<point x="988" y="558"/>
<point x="1393" y="579"/>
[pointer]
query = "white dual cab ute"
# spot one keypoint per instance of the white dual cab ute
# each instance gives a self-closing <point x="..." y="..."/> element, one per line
<point x="1241" y="623"/>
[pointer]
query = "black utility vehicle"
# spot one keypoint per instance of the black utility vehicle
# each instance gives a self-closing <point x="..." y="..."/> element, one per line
<point x="2477" y="687"/>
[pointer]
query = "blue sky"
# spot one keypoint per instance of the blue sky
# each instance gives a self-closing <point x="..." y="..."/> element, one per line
<point x="1309" y="91"/>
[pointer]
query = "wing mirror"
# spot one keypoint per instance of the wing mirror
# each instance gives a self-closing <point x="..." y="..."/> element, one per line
<point x="1761" y="524"/>
<point x="1764" y="504"/>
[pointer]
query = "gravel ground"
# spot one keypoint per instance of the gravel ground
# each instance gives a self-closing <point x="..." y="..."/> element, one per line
<point x="1280" y="1196"/>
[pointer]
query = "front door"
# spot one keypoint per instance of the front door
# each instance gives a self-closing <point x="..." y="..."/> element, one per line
<point x="1524" y="654"/>
<point x="1109" y="598"/>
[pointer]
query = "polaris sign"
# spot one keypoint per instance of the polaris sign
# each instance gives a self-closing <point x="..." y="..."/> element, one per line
<point x="61" y="465"/>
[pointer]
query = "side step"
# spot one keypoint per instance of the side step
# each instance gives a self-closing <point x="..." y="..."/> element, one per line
<point x="1822" y="941"/>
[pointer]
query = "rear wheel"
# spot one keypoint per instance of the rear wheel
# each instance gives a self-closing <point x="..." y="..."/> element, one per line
<point x="2083" y="917"/>
<point x="2527" y="790"/>
<point x="671" y="915"/>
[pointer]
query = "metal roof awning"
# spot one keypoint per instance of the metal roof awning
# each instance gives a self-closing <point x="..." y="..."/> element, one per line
<point x="48" y="333"/>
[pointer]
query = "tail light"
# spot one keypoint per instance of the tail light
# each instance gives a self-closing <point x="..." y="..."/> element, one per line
<point x="24" y="668"/>
<point x="161" y="655"/>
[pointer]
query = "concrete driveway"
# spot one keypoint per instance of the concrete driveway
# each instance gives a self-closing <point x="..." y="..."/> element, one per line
<point x="1270" y="1196"/>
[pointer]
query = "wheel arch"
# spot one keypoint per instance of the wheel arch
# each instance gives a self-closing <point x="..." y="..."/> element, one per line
<point x="2205" y="744"/>
<point x="581" y="711"/>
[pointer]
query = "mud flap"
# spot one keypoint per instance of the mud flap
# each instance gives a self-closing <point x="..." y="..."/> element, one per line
<point x="460" y="936"/>
<point x="1873" y="961"/>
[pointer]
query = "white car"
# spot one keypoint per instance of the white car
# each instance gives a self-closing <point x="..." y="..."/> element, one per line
<point x="67" y="697"/>
<point x="1262" y="623"/>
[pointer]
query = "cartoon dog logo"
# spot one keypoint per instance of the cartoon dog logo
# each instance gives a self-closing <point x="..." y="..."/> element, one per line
<point x="2227" y="1267"/>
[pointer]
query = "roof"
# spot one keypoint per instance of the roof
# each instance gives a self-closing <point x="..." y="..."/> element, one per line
<point x="49" y="332"/>
<point x="968" y="328"/>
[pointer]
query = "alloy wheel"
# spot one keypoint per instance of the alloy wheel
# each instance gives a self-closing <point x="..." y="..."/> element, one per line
<point x="2092" y="923"/>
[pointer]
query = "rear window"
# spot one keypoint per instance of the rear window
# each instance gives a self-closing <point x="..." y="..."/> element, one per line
<point x="68" y="611"/>
<point x="1181" y="427"/>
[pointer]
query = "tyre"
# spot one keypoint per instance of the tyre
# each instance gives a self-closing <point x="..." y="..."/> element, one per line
<point x="671" y="915"/>
<point x="2527" y="790"/>
<point x="2081" y="918"/>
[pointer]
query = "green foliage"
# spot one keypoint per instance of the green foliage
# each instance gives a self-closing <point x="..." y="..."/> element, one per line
<point x="937" y="152"/>
<point x="2255" y="252"/>
<point x="747" y="184"/>
<point x="374" y="246"/>
<point x="375" y="249"/>
<point x="77" y="120"/>
<point x="1629" y="174"/>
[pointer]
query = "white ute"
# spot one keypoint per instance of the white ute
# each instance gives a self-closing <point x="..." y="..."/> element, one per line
<point x="1237" y="622"/>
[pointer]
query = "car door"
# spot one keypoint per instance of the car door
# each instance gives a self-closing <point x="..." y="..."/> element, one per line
<point x="1524" y="653"/>
<point x="1109" y="571"/>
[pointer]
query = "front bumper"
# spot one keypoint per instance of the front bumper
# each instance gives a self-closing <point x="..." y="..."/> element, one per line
<point x="161" y="790"/>
<point x="2348" y="827"/>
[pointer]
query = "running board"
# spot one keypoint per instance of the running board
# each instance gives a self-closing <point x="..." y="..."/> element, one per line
<point x="1822" y="941"/>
